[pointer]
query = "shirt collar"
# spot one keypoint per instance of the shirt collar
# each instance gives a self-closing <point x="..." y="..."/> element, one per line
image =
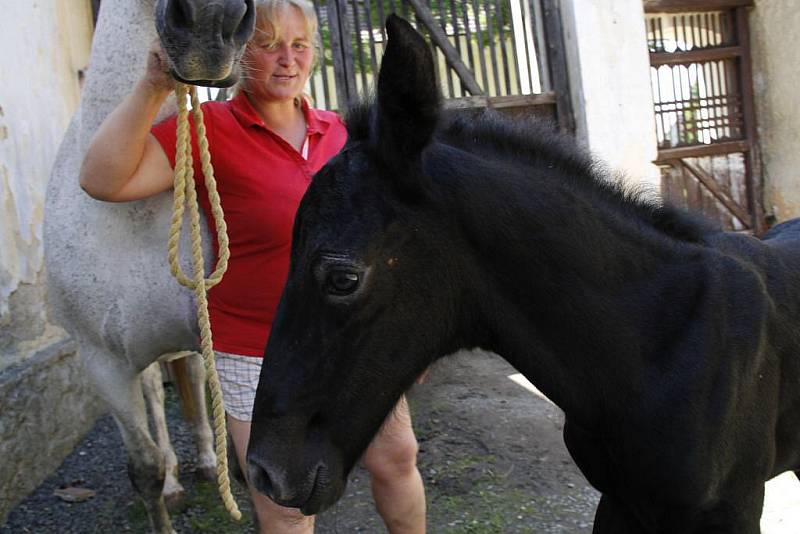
<point x="316" y="121"/>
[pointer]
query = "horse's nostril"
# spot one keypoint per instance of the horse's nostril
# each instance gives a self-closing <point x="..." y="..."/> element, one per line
<point x="181" y="13"/>
<point x="259" y="479"/>
<point x="234" y="16"/>
<point x="245" y="24"/>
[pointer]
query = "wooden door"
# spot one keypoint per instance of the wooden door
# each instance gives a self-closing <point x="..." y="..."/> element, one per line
<point x="505" y="54"/>
<point x="705" y="119"/>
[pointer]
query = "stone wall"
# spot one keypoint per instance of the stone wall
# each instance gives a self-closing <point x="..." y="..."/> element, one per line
<point x="45" y="407"/>
<point x="45" y="413"/>
<point x="776" y="79"/>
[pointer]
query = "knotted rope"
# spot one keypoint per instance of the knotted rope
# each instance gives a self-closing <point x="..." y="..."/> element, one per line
<point x="184" y="194"/>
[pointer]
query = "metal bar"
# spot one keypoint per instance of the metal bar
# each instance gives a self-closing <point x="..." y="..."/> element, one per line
<point x="695" y="56"/>
<point x="558" y="64"/>
<point x="711" y="96"/>
<point x="468" y="35"/>
<point x="686" y="45"/>
<point x="373" y="53"/>
<point x="660" y="111"/>
<point x="677" y="91"/>
<point x="342" y="59"/>
<point x="501" y="21"/>
<point x="752" y="158"/>
<point x="492" y="50"/>
<point x="667" y="155"/>
<point x="454" y="20"/>
<point x="677" y="6"/>
<point x="434" y="52"/>
<point x="452" y="56"/>
<point x="714" y="188"/>
<point x="479" y="34"/>
<point x="359" y="44"/>
<point x="541" y="45"/>
<point x="443" y="24"/>
<point x="323" y="68"/>
<point x="381" y="19"/>
<point x="404" y="10"/>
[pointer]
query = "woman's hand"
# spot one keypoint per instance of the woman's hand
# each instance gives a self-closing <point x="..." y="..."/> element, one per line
<point x="157" y="76"/>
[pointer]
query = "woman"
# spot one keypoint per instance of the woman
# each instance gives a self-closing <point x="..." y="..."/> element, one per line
<point x="266" y="143"/>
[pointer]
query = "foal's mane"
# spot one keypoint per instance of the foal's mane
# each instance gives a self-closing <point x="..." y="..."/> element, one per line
<point x="538" y="145"/>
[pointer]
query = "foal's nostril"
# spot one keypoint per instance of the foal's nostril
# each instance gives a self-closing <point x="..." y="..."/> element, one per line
<point x="259" y="479"/>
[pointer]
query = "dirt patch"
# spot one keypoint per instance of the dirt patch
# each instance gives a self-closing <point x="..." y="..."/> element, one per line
<point x="492" y="458"/>
<point x="491" y="455"/>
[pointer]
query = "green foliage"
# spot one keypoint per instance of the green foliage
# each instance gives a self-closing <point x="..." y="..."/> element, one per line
<point x="453" y="13"/>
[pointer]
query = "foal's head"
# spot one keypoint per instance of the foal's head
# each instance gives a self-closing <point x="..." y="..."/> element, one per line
<point x="367" y="304"/>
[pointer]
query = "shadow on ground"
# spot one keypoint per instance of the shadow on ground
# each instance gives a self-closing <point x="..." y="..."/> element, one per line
<point x="491" y="455"/>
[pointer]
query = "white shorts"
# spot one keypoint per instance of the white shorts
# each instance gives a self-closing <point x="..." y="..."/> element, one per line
<point x="238" y="378"/>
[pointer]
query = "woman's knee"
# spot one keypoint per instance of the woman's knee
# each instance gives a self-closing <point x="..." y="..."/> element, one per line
<point x="392" y="456"/>
<point x="291" y="516"/>
<point x="275" y="518"/>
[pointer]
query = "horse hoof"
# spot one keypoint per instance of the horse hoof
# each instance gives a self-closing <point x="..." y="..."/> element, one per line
<point x="207" y="473"/>
<point x="175" y="500"/>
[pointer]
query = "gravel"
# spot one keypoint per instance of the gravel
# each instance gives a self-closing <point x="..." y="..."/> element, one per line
<point x="491" y="456"/>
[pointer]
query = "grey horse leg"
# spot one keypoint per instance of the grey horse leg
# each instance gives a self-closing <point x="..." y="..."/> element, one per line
<point x="153" y="388"/>
<point x="203" y="435"/>
<point x="120" y="387"/>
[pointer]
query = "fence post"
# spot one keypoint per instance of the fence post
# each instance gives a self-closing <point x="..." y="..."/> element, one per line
<point x="557" y="60"/>
<point x="341" y="39"/>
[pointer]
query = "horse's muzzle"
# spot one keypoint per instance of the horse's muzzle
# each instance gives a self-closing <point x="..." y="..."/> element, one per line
<point x="308" y="494"/>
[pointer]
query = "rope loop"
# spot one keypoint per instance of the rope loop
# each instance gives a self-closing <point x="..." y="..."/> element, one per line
<point x="185" y="198"/>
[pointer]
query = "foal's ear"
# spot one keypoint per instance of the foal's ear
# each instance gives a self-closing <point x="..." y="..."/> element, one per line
<point x="408" y="100"/>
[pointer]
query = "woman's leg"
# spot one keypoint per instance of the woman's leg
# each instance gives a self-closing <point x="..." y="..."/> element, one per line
<point x="238" y="376"/>
<point x="272" y="519"/>
<point x="391" y="460"/>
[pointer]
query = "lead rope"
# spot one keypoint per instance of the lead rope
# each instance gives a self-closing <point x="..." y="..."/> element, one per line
<point x="184" y="194"/>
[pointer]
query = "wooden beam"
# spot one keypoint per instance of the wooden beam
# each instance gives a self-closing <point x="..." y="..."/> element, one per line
<point x="669" y="155"/>
<point x="678" y="6"/>
<point x="695" y="56"/>
<point x="499" y="102"/>
<point x="450" y="53"/>
<point x="720" y="194"/>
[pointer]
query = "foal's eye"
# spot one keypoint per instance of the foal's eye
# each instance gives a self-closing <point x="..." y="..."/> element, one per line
<point x="341" y="282"/>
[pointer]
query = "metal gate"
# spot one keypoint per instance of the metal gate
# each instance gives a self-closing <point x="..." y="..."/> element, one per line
<point x="705" y="119"/>
<point x="506" y="54"/>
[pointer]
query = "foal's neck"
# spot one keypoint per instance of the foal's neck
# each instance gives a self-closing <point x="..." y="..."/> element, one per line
<point x="580" y="293"/>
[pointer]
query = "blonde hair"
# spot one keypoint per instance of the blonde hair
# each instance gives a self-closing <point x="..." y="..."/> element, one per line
<point x="269" y="11"/>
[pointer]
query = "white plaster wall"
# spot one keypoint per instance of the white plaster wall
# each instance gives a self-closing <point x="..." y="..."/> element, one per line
<point x="776" y="83"/>
<point x="43" y="44"/>
<point x="609" y="70"/>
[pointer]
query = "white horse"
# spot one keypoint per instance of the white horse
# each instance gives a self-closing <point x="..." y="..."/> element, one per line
<point x="109" y="280"/>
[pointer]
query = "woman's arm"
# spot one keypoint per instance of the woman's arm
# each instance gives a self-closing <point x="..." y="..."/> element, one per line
<point x="124" y="161"/>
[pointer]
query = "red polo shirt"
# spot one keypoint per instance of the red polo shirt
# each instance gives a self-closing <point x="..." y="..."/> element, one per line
<point x="261" y="179"/>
